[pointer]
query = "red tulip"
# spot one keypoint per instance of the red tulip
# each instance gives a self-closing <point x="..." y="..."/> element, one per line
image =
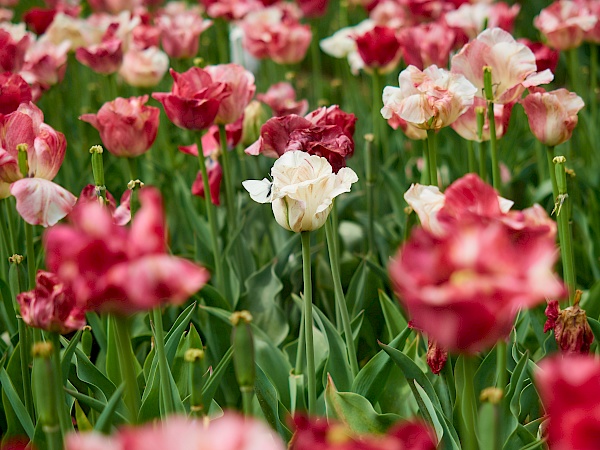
<point x="15" y="91"/>
<point x="109" y="267"/>
<point x="14" y="42"/>
<point x="313" y="8"/>
<point x="569" y="388"/>
<point x="51" y="305"/>
<point x="194" y="100"/>
<point x="127" y="127"/>
<point x="572" y="331"/>
<point x="379" y="48"/>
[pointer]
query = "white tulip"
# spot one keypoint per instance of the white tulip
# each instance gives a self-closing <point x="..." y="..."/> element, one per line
<point x="302" y="190"/>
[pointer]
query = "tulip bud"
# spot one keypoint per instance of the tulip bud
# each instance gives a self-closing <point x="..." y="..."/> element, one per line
<point x="571" y="328"/>
<point x="436" y="357"/>
<point x="254" y="118"/>
<point x="243" y="350"/>
<point x="87" y="340"/>
<point x="195" y="357"/>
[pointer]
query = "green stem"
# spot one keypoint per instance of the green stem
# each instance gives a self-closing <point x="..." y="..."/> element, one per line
<point x="301" y="345"/>
<point x="426" y="173"/>
<point x="339" y="297"/>
<point x="11" y="228"/>
<point x="562" y="213"/>
<point x="550" y="157"/>
<point x="63" y="414"/>
<point x="127" y="367"/>
<point x="380" y="142"/>
<point x="222" y="34"/>
<point x="227" y="174"/>
<point x="308" y="325"/>
<point x="316" y="65"/>
<point x="370" y="175"/>
<point x="573" y="68"/>
<point x="501" y="383"/>
<point x="212" y="219"/>
<point x="31" y="265"/>
<point x="468" y="419"/>
<point x="24" y="353"/>
<point x="471" y="154"/>
<point x="433" y="178"/>
<point x="163" y="364"/>
<point x="247" y="396"/>
<point x="496" y="179"/>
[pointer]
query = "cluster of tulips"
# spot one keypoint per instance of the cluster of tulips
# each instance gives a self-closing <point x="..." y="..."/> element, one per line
<point x="184" y="316"/>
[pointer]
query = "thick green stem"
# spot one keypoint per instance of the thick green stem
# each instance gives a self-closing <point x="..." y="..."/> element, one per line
<point x="550" y="157"/>
<point x="496" y="179"/>
<point x="300" y="347"/>
<point x="573" y="68"/>
<point x="222" y="33"/>
<point x="247" y="397"/>
<point x="163" y="364"/>
<point x="501" y="383"/>
<point x="212" y="219"/>
<point x="339" y="297"/>
<point x="381" y="144"/>
<point x="426" y="173"/>
<point x="370" y="175"/>
<point x="308" y="325"/>
<point x="562" y="214"/>
<point x="127" y="367"/>
<point x="11" y="227"/>
<point x="31" y="264"/>
<point x="433" y="178"/>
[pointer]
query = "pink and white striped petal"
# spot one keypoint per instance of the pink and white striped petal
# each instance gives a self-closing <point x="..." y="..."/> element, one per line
<point x="42" y="202"/>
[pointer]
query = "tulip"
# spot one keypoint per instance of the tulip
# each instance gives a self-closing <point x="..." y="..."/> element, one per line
<point x="229" y="432"/>
<point x="302" y="190"/>
<point x="14" y="42"/>
<point x="545" y="57"/>
<point x="51" y="306"/>
<point x="45" y="66"/>
<point x="569" y="387"/>
<point x="465" y="288"/>
<point x="281" y="98"/>
<point x="127" y="127"/>
<point x="466" y="125"/>
<point x="180" y="32"/>
<point x="144" y="68"/>
<point x="436" y="357"/>
<point x="564" y="24"/>
<point x="109" y="267"/>
<point x="430" y="100"/>
<point x="215" y="176"/>
<point x="231" y="9"/>
<point x="427" y="44"/>
<point x="552" y="115"/>
<point x="105" y="57"/>
<point x="194" y="100"/>
<point x="121" y="214"/>
<point x="513" y="67"/>
<point x="342" y="44"/>
<point x="471" y="18"/>
<point x="379" y="48"/>
<point x="15" y="91"/>
<point x="240" y="83"/>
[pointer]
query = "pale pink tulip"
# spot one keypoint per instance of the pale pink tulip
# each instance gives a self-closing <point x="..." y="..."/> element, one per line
<point x="231" y="9"/>
<point x="431" y="99"/>
<point x="281" y="98"/>
<point x="180" y="31"/>
<point x="471" y="18"/>
<point x="240" y="82"/>
<point x="564" y="24"/>
<point x="105" y="57"/>
<point x="45" y="65"/>
<point x="144" y="68"/>
<point x="466" y="125"/>
<point x="513" y="66"/>
<point x="552" y="115"/>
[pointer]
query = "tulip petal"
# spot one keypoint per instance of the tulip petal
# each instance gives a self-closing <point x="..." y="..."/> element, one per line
<point x="42" y="202"/>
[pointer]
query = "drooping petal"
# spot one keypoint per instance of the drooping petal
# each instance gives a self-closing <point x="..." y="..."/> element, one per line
<point x="42" y="202"/>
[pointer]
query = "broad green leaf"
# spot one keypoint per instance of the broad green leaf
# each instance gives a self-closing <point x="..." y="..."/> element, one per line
<point x="16" y="403"/>
<point x="105" y="419"/>
<point x="274" y="411"/>
<point x="96" y="405"/>
<point x="11" y="317"/>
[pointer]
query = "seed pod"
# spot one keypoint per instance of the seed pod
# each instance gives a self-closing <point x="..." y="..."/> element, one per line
<point x="243" y="349"/>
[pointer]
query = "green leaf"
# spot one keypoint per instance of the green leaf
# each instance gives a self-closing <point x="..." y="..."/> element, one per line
<point x="83" y="424"/>
<point x="104" y="422"/>
<point x="16" y="403"/>
<point x="11" y="317"/>
<point x="96" y="405"/>
<point x="89" y="373"/>
<point x="68" y="354"/>
<point x="394" y="320"/>
<point x="211" y="386"/>
<point x="356" y="412"/>
<point x="356" y="290"/>
<point x="274" y="411"/>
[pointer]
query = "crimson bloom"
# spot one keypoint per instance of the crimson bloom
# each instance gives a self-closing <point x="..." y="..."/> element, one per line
<point x="194" y="100"/>
<point x="379" y="48"/>
<point x="109" y="267"/>
<point x="127" y="127"/>
<point x="326" y="132"/>
<point x="51" y="305"/>
<point x="552" y="115"/>
<point x="15" y="91"/>
<point x="569" y="388"/>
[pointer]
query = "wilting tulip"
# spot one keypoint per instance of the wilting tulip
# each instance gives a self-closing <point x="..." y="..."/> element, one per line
<point x="51" y="306"/>
<point x="105" y="57"/>
<point x="144" y="68"/>
<point x="276" y="33"/>
<point x="512" y="65"/>
<point x="15" y="91"/>
<point x="109" y="267"/>
<point x="127" y="127"/>
<point x="180" y="32"/>
<point x="427" y="44"/>
<point x="572" y="330"/>
<point x="14" y="42"/>
<point x="552" y="115"/>
<point x="39" y="200"/>
<point x="436" y="357"/>
<point x="240" y="83"/>
<point x="431" y="99"/>
<point x="281" y="98"/>
<point x="466" y="125"/>
<point x="230" y="432"/>
<point x="564" y="24"/>
<point x="194" y="100"/>
<point x="326" y="132"/>
<point x="302" y="190"/>
<point x="465" y="288"/>
<point x="569" y="388"/>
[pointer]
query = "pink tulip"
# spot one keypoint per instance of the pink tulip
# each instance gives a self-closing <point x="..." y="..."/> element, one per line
<point x="564" y="24"/>
<point x="15" y="91"/>
<point x="145" y="36"/>
<point x="45" y="66"/>
<point x="51" y="306"/>
<point x="410" y="130"/>
<point x="512" y="64"/>
<point x="194" y="100"/>
<point x="281" y="98"/>
<point x="127" y="127"/>
<point x="427" y="44"/>
<point x="431" y="99"/>
<point x="313" y="8"/>
<point x="569" y="388"/>
<point x="276" y="33"/>
<point x="552" y="115"/>
<point x="39" y="201"/>
<point x="106" y="57"/>
<point x="144" y="68"/>
<point x="471" y="18"/>
<point x="231" y="9"/>
<point x="14" y="42"/>
<point x="391" y="14"/>
<point x="545" y="57"/>
<point x="180" y="32"/>
<point x="326" y="132"/>
<point x="379" y="48"/>
<point x="238" y="81"/>
<point x="121" y="214"/>
<point x="466" y="125"/>
<point x="592" y="35"/>
<point x="109" y="267"/>
<point x="230" y="432"/>
<point x="465" y="288"/>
